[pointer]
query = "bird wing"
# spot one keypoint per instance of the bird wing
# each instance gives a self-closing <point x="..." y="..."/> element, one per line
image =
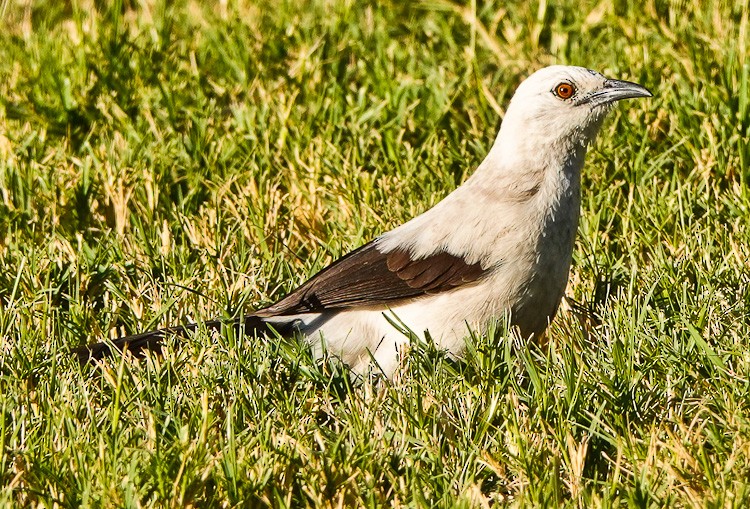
<point x="369" y="277"/>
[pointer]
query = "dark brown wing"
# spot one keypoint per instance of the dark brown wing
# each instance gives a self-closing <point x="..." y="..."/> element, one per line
<point x="364" y="277"/>
<point x="368" y="277"/>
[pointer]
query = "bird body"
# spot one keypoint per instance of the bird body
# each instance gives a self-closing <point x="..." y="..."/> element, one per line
<point x="499" y="245"/>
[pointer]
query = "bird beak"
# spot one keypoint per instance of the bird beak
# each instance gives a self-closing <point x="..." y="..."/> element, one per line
<point x="616" y="90"/>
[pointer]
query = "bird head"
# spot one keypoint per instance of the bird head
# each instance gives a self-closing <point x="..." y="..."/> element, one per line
<point x="565" y="104"/>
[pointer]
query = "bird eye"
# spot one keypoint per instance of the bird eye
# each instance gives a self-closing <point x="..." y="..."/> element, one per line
<point x="565" y="90"/>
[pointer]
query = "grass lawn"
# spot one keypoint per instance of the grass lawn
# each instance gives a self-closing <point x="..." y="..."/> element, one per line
<point x="165" y="161"/>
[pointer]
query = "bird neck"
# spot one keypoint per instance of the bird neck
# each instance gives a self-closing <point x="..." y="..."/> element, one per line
<point x="524" y="167"/>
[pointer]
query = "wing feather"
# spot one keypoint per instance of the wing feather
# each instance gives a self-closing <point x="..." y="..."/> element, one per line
<point x="369" y="277"/>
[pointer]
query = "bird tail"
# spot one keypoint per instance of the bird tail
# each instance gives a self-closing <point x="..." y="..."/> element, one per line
<point x="139" y="344"/>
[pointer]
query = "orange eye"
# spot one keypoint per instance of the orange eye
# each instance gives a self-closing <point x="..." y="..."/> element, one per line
<point x="565" y="90"/>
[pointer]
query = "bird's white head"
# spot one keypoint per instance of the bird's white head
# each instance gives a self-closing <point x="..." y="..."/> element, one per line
<point x="564" y="104"/>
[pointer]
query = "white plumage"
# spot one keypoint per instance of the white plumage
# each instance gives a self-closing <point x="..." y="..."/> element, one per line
<point x="500" y="244"/>
<point x="517" y="216"/>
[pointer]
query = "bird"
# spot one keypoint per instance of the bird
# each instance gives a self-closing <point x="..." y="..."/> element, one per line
<point x="498" y="246"/>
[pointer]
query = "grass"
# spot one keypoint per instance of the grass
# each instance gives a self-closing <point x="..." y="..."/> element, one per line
<point x="164" y="161"/>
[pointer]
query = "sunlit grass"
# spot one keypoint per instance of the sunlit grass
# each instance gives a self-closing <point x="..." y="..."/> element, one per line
<point x="163" y="162"/>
